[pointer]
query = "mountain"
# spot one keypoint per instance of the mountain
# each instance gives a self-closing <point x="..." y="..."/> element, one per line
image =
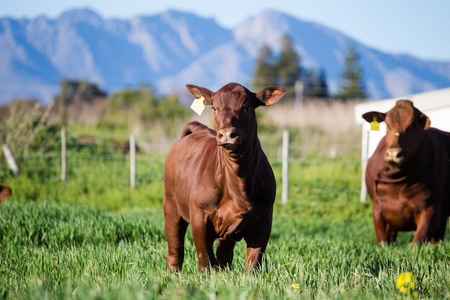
<point x="35" y="54"/>
<point x="320" y="48"/>
<point x="173" y="48"/>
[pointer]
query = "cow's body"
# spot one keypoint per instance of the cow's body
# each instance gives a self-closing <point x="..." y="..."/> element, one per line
<point x="409" y="180"/>
<point x="224" y="191"/>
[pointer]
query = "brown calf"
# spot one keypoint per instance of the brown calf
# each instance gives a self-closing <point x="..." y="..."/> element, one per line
<point x="5" y="192"/>
<point x="408" y="176"/>
<point x="220" y="181"/>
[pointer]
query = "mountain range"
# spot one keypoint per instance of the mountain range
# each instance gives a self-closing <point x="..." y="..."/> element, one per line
<point x="171" y="49"/>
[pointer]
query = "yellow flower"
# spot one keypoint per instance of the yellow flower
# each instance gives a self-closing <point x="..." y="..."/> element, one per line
<point x="406" y="283"/>
<point x="296" y="287"/>
<point x="404" y="278"/>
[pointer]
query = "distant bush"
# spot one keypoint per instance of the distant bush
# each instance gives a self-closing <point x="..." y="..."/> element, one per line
<point x="28" y="129"/>
<point x="141" y="109"/>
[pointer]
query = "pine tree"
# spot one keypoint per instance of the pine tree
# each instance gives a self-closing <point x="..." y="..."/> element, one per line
<point x="311" y="84"/>
<point x="316" y="86"/>
<point x="352" y="83"/>
<point x="288" y="67"/>
<point x="322" y="85"/>
<point x="265" y="74"/>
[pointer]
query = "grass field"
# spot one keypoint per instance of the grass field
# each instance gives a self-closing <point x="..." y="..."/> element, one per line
<point x="95" y="238"/>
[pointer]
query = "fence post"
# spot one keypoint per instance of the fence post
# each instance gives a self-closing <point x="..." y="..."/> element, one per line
<point x="63" y="154"/>
<point x="298" y="93"/>
<point x="10" y="159"/>
<point x="364" y="159"/>
<point x="132" y="161"/>
<point x="285" y="168"/>
<point x="5" y="132"/>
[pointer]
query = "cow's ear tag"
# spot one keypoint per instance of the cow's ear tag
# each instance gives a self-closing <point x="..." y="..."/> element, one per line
<point x="198" y="105"/>
<point x="374" y="125"/>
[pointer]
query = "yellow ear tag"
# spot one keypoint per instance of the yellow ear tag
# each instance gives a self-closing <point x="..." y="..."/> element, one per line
<point x="198" y="105"/>
<point x="374" y="125"/>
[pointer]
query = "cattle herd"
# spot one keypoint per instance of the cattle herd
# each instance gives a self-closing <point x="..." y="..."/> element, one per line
<point x="221" y="182"/>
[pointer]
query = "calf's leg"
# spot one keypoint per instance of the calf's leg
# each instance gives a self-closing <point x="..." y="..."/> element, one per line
<point x="426" y="222"/>
<point x="175" y="229"/>
<point x="380" y="226"/>
<point x="225" y="253"/>
<point x="439" y="234"/>
<point x="391" y="233"/>
<point x="257" y="242"/>
<point x="203" y="234"/>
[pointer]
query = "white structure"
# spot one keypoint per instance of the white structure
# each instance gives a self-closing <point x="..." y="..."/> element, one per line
<point x="435" y="104"/>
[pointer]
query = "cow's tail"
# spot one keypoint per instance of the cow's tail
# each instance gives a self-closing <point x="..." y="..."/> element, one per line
<point x="195" y="127"/>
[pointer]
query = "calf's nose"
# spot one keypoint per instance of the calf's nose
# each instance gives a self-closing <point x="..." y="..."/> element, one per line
<point x="394" y="155"/>
<point x="227" y="136"/>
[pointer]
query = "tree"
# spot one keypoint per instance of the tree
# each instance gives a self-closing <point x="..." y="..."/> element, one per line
<point x="288" y="67"/>
<point x="310" y="84"/>
<point x="265" y="73"/>
<point x="322" y="85"/>
<point x="316" y="86"/>
<point x="83" y="88"/>
<point x="72" y="91"/>
<point x="352" y="82"/>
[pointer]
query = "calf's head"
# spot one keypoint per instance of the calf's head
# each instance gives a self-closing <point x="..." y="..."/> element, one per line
<point x="405" y="125"/>
<point x="234" y="110"/>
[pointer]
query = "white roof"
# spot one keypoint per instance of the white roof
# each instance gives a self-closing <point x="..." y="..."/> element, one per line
<point x="423" y="101"/>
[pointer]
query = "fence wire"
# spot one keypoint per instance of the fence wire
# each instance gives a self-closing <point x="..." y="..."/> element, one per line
<point x="325" y="167"/>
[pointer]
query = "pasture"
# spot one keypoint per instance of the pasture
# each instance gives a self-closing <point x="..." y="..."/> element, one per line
<point x="93" y="237"/>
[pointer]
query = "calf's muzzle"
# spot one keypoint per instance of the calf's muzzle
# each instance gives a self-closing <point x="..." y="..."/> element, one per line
<point x="393" y="155"/>
<point x="227" y="137"/>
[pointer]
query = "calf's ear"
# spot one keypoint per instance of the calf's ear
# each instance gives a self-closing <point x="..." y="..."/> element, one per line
<point x="424" y="121"/>
<point x="5" y="192"/>
<point x="270" y="95"/>
<point x="199" y="91"/>
<point x="369" y="117"/>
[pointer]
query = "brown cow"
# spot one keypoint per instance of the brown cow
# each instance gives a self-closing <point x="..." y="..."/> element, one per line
<point x="408" y="176"/>
<point x="220" y="182"/>
<point x="5" y="192"/>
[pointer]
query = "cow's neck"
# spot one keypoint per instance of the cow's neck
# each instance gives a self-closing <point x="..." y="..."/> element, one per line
<point x="244" y="159"/>
<point x="392" y="174"/>
<point x="405" y="173"/>
<point x="241" y="165"/>
<point x="237" y="173"/>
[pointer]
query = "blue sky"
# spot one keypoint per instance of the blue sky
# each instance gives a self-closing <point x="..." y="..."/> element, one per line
<point x="416" y="27"/>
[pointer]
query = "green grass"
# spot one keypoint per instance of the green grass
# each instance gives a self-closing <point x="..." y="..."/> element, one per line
<point x="99" y="181"/>
<point x="95" y="238"/>
<point x="58" y="250"/>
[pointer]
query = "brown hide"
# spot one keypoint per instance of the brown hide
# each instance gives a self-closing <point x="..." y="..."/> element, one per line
<point x="220" y="181"/>
<point x="408" y="176"/>
<point x="5" y="192"/>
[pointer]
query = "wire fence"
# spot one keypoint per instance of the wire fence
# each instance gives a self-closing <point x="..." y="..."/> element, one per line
<point x="312" y="167"/>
